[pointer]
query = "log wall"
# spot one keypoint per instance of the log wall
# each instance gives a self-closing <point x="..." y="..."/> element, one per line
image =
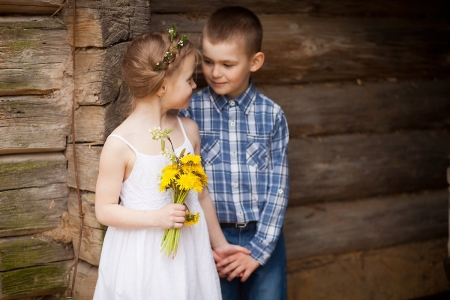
<point x="365" y="90"/>
<point x="35" y="92"/>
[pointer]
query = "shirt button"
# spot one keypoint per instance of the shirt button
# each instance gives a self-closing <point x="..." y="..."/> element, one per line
<point x="266" y="256"/>
<point x="232" y="103"/>
<point x="235" y="184"/>
<point x="233" y="154"/>
<point x="232" y="123"/>
<point x="280" y="191"/>
<point x="240" y="214"/>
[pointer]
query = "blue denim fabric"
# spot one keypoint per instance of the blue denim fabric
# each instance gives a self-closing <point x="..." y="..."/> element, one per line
<point x="267" y="282"/>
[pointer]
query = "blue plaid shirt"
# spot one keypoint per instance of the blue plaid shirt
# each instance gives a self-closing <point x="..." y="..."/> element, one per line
<point x="244" y="152"/>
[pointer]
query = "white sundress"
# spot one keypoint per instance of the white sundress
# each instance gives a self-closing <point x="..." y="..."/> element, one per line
<point x="131" y="264"/>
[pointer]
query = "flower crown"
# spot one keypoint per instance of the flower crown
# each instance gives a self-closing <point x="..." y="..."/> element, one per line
<point x="169" y="57"/>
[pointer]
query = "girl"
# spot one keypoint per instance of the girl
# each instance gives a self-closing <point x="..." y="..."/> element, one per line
<point x="157" y="68"/>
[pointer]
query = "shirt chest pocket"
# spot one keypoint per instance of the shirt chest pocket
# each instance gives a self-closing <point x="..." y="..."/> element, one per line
<point x="258" y="151"/>
<point x="210" y="148"/>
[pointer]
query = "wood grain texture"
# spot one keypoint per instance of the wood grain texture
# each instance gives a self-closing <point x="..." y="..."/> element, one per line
<point x="85" y="282"/>
<point x="29" y="251"/>
<point x="88" y="204"/>
<point x="88" y="160"/>
<point x="406" y="271"/>
<point x="33" y="124"/>
<point x="35" y="53"/>
<point x="323" y="8"/>
<point x="30" y="7"/>
<point x="365" y="224"/>
<point x="104" y="23"/>
<point x="35" y="281"/>
<point x="31" y="170"/>
<point x="372" y="107"/>
<point x="90" y="124"/>
<point x="341" y="167"/>
<point x="91" y="241"/>
<point x="33" y="209"/>
<point x="317" y="49"/>
<point x="98" y="78"/>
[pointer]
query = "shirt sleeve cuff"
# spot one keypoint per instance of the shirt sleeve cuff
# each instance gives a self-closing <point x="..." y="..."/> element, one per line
<point x="260" y="252"/>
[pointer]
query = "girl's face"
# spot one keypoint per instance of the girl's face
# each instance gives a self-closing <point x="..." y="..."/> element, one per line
<point x="180" y="85"/>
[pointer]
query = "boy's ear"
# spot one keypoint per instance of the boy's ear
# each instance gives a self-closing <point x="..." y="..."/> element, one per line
<point x="257" y="61"/>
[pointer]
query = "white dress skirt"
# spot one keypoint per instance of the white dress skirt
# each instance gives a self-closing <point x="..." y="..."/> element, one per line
<point x="132" y="266"/>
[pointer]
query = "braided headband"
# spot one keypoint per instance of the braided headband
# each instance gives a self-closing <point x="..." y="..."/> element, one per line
<point x="169" y="56"/>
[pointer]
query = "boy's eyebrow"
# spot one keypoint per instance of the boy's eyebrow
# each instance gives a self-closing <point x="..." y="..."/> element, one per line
<point x="222" y="61"/>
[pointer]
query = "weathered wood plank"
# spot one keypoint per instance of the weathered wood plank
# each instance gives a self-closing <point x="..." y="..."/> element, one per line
<point x="326" y="8"/>
<point x="34" y="55"/>
<point x="32" y="210"/>
<point x="88" y="159"/>
<point x="88" y="204"/>
<point x="36" y="281"/>
<point x="85" y="281"/>
<point x="90" y="124"/>
<point x="29" y="251"/>
<point x="93" y="231"/>
<point x="103" y="23"/>
<point x="317" y="49"/>
<point x="406" y="271"/>
<point x="33" y="124"/>
<point x="365" y="224"/>
<point x="30" y="7"/>
<point x="339" y="108"/>
<point x="97" y="75"/>
<point x="31" y="170"/>
<point x="334" y="168"/>
<point x="91" y="241"/>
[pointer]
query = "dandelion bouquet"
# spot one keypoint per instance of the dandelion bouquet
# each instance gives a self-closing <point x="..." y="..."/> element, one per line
<point x="183" y="175"/>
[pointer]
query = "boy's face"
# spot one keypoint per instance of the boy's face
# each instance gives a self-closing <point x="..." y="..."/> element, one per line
<point x="226" y="67"/>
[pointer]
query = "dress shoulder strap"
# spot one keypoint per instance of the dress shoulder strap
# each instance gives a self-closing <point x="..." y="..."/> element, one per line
<point x="125" y="141"/>
<point x="182" y="128"/>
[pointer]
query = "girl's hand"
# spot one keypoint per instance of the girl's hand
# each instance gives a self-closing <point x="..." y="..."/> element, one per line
<point x="223" y="251"/>
<point x="172" y="216"/>
<point x="237" y="265"/>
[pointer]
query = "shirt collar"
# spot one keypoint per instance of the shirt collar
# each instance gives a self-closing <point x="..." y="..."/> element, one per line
<point x="244" y="101"/>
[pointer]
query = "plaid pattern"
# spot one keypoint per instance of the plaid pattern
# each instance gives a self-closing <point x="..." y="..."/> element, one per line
<point x="244" y="152"/>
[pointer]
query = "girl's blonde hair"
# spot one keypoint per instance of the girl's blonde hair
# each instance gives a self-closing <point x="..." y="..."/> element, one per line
<point x="140" y="59"/>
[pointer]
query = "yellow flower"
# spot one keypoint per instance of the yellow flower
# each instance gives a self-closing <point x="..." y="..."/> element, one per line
<point x="191" y="219"/>
<point x="186" y="181"/>
<point x="169" y="174"/>
<point x="192" y="159"/>
<point x="198" y="186"/>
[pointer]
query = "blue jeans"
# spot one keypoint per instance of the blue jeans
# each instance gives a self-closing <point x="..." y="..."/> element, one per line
<point x="267" y="282"/>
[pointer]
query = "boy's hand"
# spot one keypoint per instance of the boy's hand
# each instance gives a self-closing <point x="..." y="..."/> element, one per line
<point x="237" y="265"/>
<point x="222" y="252"/>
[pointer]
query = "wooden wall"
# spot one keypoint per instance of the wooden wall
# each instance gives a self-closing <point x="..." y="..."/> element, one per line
<point x="39" y="213"/>
<point x="35" y="89"/>
<point x="365" y="89"/>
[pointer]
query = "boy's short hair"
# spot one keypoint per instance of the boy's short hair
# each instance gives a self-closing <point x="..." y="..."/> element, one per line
<point x="235" y="22"/>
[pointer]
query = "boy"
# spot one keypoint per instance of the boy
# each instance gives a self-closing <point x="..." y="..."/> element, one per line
<point x="244" y="137"/>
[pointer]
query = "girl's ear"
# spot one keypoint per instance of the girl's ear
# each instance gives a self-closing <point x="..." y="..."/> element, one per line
<point x="162" y="90"/>
<point x="257" y="62"/>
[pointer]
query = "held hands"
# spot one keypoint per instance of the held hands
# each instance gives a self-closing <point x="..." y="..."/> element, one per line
<point x="172" y="216"/>
<point x="237" y="263"/>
